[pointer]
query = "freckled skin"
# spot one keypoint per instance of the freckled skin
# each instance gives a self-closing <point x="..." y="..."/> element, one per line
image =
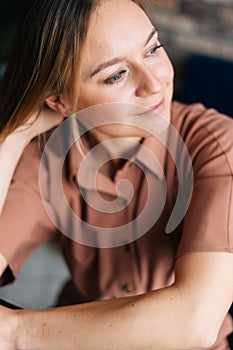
<point x="143" y="76"/>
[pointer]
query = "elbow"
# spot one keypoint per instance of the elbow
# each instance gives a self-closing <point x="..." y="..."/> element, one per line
<point x="204" y="340"/>
<point x="203" y="335"/>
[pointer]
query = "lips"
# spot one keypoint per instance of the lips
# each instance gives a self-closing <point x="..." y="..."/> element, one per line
<point x="158" y="107"/>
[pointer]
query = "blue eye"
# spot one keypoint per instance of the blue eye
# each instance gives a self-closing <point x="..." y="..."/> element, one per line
<point x="153" y="50"/>
<point x="115" y="78"/>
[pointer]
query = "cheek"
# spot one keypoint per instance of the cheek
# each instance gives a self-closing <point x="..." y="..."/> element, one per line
<point x="169" y="71"/>
<point x="168" y="79"/>
<point x="93" y="96"/>
<point x="166" y="71"/>
<point x="87" y="98"/>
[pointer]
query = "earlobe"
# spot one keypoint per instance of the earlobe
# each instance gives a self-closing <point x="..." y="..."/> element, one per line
<point x="55" y="103"/>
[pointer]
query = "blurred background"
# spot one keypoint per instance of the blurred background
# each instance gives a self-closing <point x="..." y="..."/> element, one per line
<point x="198" y="36"/>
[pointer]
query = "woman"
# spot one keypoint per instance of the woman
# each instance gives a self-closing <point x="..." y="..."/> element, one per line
<point x="156" y="292"/>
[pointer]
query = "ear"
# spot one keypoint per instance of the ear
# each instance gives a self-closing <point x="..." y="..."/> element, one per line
<point x="56" y="103"/>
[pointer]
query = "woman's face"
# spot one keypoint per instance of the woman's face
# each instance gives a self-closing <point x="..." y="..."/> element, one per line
<point x="123" y="63"/>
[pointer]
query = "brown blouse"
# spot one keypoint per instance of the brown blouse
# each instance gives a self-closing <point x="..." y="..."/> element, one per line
<point x="136" y="262"/>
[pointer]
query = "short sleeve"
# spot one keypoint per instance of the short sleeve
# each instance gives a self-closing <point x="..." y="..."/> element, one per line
<point x="24" y="223"/>
<point x="208" y="223"/>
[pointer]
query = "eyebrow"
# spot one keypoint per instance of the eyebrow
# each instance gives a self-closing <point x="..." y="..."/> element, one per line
<point x="106" y="65"/>
<point x="153" y="32"/>
<point x="119" y="59"/>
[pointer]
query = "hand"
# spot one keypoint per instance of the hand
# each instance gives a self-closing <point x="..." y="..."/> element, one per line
<point x="40" y="122"/>
<point x="7" y="328"/>
<point x="13" y="146"/>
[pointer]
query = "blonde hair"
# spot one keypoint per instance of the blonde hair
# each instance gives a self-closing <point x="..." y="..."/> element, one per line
<point x="46" y="58"/>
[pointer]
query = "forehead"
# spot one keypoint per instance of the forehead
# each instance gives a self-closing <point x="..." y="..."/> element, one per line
<point x="115" y="23"/>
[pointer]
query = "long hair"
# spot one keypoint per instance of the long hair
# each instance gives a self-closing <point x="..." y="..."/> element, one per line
<point x="46" y="59"/>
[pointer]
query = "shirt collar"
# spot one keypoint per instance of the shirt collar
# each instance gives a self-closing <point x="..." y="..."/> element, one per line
<point x="150" y="156"/>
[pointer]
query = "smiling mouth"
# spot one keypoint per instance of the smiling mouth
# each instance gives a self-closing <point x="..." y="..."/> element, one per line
<point x="157" y="108"/>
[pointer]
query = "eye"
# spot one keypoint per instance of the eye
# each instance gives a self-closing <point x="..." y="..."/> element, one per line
<point x="153" y="50"/>
<point x="117" y="77"/>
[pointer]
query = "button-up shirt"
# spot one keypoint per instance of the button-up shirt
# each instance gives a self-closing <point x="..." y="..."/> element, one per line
<point x="137" y="262"/>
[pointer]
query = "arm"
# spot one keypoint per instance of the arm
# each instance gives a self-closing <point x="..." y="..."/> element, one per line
<point x="11" y="150"/>
<point x="9" y="161"/>
<point x="13" y="146"/>
<point x="186" y="315"/>
<point x="3" y="264"/>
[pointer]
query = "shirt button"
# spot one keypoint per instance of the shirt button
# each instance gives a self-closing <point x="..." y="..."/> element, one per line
<point x="128" y="287"/>
<point x="121" y="200"/>
<point x="126" y="248"/>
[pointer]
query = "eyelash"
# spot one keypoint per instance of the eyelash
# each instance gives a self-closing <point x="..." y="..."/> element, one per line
<point x="118" y="76"/>
<point x="154" y="49"/>
<point x="113" y="79"/>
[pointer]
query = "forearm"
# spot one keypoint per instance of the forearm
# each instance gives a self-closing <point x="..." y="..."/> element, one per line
<point x="157" y="320"/>
<point x="13" y="146"/>
<point x="10" y="152"/>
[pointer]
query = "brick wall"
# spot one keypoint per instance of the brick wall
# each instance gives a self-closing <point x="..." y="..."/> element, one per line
<point x="204" y="26"/>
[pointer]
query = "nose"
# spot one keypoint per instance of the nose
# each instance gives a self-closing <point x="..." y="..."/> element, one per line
<point x="147" y="83"/>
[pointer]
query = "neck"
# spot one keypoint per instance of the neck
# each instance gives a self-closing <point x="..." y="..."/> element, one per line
<point x="118" y="150"/>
